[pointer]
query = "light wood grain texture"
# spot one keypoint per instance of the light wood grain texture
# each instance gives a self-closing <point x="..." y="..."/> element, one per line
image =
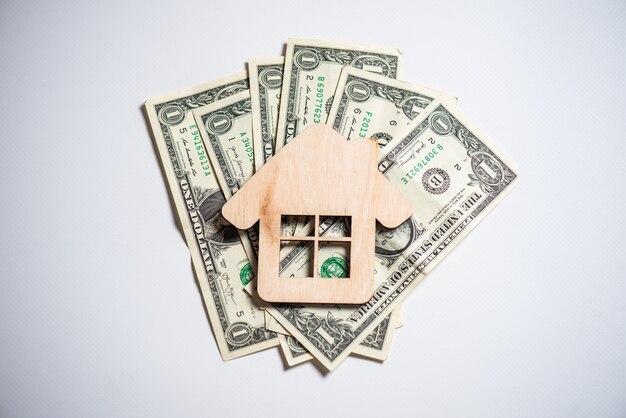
<point x="319" y="173"/>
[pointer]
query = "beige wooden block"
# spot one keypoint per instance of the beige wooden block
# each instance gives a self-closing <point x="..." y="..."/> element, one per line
<point x="318" y="173"/>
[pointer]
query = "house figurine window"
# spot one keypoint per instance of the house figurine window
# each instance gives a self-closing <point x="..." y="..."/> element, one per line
<point x="324" y="241"/>
<point x="323" y="178"/>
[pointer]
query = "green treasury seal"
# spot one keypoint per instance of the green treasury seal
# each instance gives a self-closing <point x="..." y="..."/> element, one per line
<point x="246" y="274"/>
<point x="335" y="267"/>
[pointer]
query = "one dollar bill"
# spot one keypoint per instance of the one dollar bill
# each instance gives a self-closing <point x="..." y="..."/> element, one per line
<point x="312" y="69"/>
<point x="368" y="105"/>
<point x="453" y="176"/>
<point x="219" y="259"/>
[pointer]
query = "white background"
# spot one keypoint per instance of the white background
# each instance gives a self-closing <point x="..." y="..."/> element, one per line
<point x="100" y="314"/>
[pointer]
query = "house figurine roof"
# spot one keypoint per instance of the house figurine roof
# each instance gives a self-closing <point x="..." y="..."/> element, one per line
<point x="318" y="174"/>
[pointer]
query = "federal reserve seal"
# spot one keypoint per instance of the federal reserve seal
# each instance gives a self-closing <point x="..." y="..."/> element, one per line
<point x="435" y="181"/>
<point x="382" y="138"/>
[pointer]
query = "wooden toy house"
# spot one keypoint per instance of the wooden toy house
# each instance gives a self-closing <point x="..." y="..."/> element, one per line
<point x="318" y="174"/>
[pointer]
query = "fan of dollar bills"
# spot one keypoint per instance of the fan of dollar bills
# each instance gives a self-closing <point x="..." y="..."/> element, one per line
<point x="211" y="139"/>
